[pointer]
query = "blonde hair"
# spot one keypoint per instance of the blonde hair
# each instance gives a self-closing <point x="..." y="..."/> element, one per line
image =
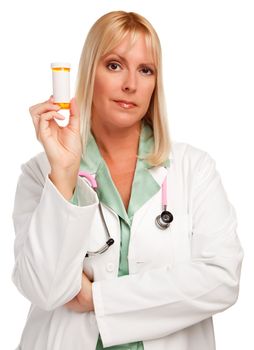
<point x="106" y="33"/>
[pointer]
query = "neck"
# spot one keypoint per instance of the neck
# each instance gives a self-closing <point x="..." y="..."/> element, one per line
<point x="119" y="144"/>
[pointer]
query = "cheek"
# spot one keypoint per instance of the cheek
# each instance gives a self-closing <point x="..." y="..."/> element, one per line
<point x="98" y="86"/>
<point x="147" y="93"/>
<point x="104" y="87"/>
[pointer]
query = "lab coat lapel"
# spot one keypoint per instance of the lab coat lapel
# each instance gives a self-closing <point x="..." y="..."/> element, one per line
<point x="158" y="174"/>
<point x="144" y="187"/>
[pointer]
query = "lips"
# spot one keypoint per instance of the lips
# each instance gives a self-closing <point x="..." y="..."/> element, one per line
<point x="125" y="104"/>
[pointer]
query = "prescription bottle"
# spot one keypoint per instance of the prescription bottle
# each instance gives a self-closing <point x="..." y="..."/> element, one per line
<point x="61" y="83"/>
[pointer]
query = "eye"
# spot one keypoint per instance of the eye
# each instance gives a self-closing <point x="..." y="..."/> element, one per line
<point x="147" y="71"/>
<point x="112" y="66"/>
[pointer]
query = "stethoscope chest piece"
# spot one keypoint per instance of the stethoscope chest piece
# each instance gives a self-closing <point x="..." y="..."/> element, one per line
<point x="163" y="220"/>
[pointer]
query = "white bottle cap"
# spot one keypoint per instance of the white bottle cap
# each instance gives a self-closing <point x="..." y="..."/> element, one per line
<point x="60" y="64"/>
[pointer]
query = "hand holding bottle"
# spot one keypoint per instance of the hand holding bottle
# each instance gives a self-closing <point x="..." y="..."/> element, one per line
<point x="62" y="144"/>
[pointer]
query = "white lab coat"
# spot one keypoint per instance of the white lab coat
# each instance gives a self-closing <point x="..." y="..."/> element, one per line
<point x="177" y="279"/>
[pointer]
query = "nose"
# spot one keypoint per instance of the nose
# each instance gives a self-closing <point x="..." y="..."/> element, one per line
<point x="129" y="82"/>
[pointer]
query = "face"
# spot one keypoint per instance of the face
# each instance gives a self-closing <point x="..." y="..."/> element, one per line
<point x="124" y="82"/>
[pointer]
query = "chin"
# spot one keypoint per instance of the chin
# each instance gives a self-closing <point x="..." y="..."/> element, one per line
<point x="125" y="121"/>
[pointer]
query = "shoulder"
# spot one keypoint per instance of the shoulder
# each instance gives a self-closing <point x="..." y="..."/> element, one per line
<point x="187" y="157"/>
<point x="180" y="150"/>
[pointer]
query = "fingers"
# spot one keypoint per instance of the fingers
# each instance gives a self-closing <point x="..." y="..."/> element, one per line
<point x="74" y="305"/>
<point x="48" y="103"/>
<point x="37" y="110"/>
<point x="43" y="107"/>
<point x="45" y="119"/>
<point x="43" y="112"/>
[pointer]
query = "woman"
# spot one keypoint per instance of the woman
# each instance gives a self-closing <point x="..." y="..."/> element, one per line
<point x="155" y="287"/>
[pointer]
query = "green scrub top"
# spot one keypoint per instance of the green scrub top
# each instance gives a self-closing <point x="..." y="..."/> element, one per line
<point x="143" y="188"/>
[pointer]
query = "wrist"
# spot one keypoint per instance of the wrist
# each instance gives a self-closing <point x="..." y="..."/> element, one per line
<point x="65" y="183"/>
<point x="65" y="171"/>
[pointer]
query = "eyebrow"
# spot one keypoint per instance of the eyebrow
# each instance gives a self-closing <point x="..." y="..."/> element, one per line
<point x="125" y="61"/>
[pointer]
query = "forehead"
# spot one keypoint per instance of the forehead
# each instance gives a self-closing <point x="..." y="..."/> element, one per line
<point x="136" y="49"/>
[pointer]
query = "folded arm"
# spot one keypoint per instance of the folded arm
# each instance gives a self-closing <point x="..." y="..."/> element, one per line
<point x="50" y="245"/>
<point x="159" y="302"/>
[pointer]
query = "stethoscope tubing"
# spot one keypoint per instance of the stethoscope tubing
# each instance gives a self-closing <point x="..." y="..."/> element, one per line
<point x="162" y="221"/>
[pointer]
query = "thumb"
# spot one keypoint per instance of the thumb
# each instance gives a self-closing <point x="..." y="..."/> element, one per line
<point x="74" y="114"/>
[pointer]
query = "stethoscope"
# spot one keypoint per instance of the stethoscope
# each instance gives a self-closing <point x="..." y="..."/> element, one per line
<point x="162" y="221"/>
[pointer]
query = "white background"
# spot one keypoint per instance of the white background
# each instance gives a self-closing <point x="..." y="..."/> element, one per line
<point x="208" y="60"/>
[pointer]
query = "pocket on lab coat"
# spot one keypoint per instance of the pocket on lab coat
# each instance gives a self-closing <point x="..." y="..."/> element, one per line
<point x="166" y="247"/>
<point x="181" y="234"/>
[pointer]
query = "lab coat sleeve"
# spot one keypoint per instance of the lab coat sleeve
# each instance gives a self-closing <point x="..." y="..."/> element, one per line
<point x="159" y="302"/>
<point x="51" y="238"/>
